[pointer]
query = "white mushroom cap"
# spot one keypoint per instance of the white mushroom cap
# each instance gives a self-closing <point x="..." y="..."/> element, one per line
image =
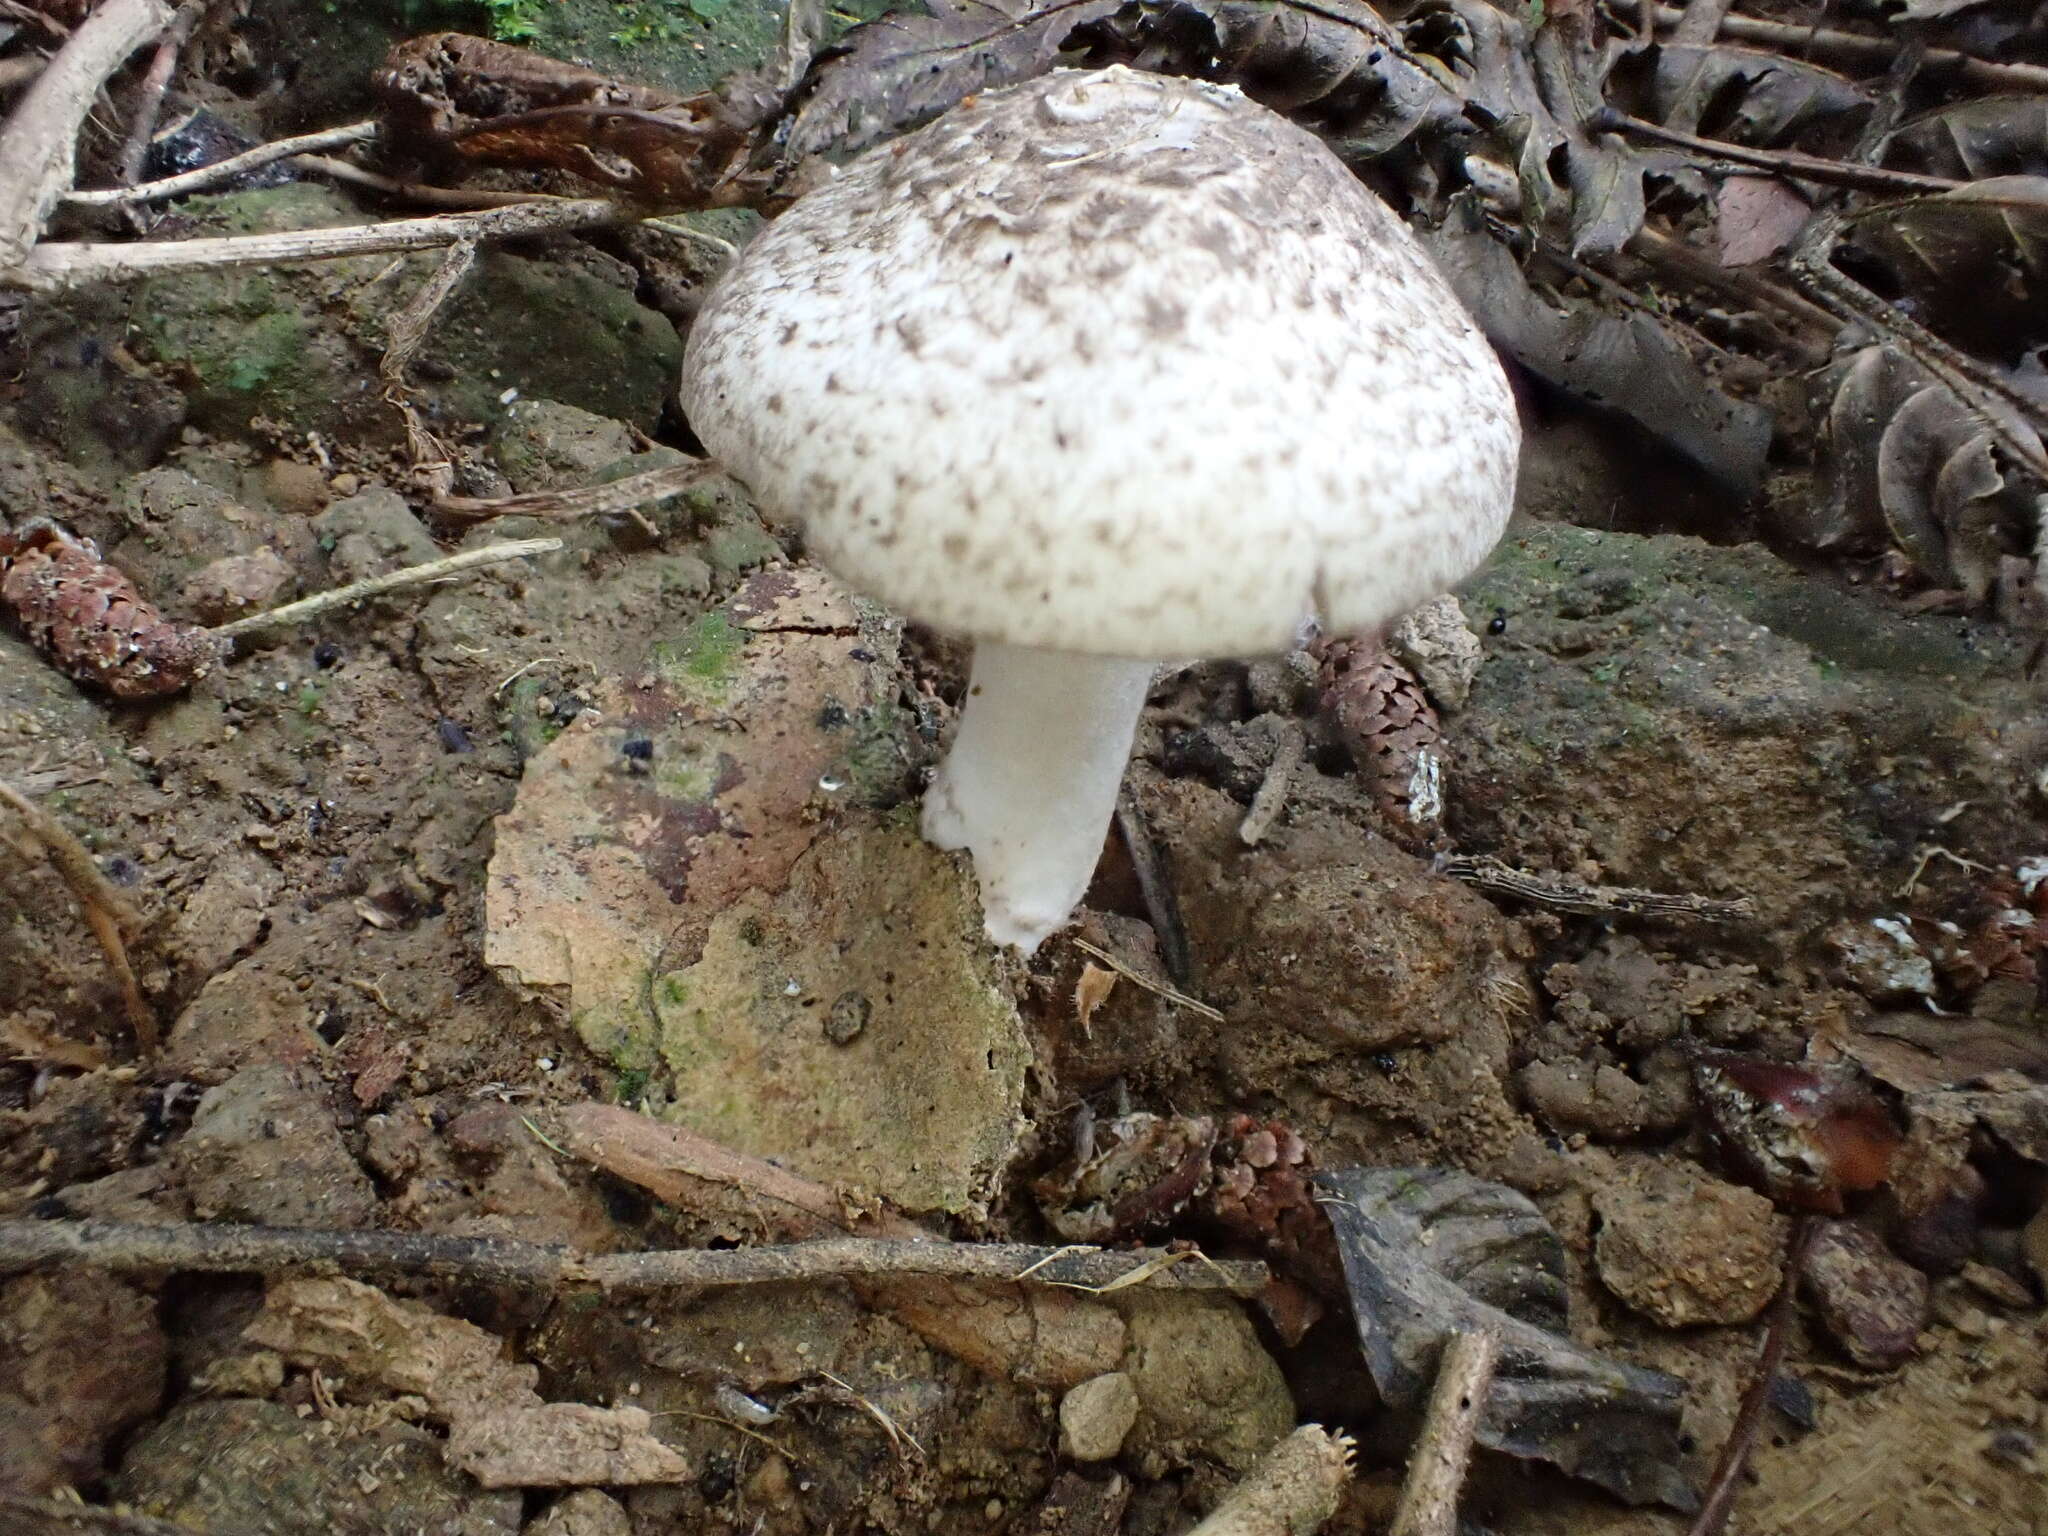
<point x="1113" y="363"/>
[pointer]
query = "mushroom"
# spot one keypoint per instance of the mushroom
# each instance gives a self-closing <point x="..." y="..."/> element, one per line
<point x="1101" y="370"/>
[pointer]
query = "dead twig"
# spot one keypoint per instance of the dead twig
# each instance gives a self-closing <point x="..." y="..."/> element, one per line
<point x="39" y="147"/>
<point x="1161" y="906"/>
<point x="1720" y="1499"/>
<point x="1271" y="798"/>
<point x="1497" y="879"/>
<point x="1178" y="999"/>
<point x="432" y="466"/>
<point x="1858" y="48"/>
<point x="391" y="581"/>
<point x="58" y="265"/>
<point x="223" y="170"/>
<point x="1782" y="162"/>
<point x="203" y="1248"/>
<point x="1436" y="1468"/>
<point x="112" y="920"/>
<point x="588" y="501"/>
<point x="149" y="100"/>
<point x="1293" y="1490"/>
<point x="457" y="198"/>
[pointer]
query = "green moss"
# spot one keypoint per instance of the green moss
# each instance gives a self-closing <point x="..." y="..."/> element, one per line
<point x="702" y="661"/>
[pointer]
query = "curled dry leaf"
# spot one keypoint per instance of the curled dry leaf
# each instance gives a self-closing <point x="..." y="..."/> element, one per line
<point x="1746" y="95"/>
<point x="1910" y="465"/>
<point x="1975" y="140"/>
<point x="89" y="619"/>
<point x="1626" y="361"/>
<point x="1974" y="256"/>
<point x="1433" y="1252"/>
<point x="1804" y="1135"/>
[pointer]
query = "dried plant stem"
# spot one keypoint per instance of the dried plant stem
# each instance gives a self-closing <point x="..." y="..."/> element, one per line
<point x="1271" y="798"/>
<point x="112" y="920"/>
<point x="1686" y="264"/>
<point x="410" y="576"/>
<point x="56" y="266"/>
<point x="589" y="501"/>
<point x="39" y="146"/>
<point x="457" y="198"/>
<point x="1179" y="999"/>
<point x="1161" y="905"/>
<point x="222" y="170"/>
<point x="1293" y="1491"/>
<point x="204" y="1248"/>
<point x="1783" y="162"/>
<point x="1436" y="1469"/>
<point x="1498" y="879"/>
<point x="149" y="101"/>
<point x="1856" y="48"/>
<point x="1720" y="1499"/>
<point x="432" y="468"/>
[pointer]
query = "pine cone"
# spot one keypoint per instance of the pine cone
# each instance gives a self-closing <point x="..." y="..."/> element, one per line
<point x="87" y="617"/>
<point x="1377" y="708"/>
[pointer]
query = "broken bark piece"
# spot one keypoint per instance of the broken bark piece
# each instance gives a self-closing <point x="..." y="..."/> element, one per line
<point x="1290" y="1493"/>
<point x="89" y="619"/>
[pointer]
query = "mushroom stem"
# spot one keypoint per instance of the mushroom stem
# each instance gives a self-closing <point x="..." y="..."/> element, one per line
<point x="1031" y="782"/>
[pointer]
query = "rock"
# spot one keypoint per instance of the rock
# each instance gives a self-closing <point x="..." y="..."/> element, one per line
<point x="1206" y="1388"/>
<point x="562" y="1445"/>
<point x="298" y="489"/>
<point x="236" y="1464"/>
<point x="81" y="1360"/>
<point x="372" y="533"/>
<point x="586" y="1512"/>
<point x="2034" y="1247"/>
<point x="1604" y="1102"/>
<point x="1096" y="1416"/>
<point x="1686" y="1249"/>
<point x="1438" y="646"/>
<point x="246" y="1016"/>
<point x="1881" y="959"/>
<point x="543" y="445"/>
<point x="1872" y="1304"/>
<point x="237" y="585"/>
<point x="264" y="1148"/>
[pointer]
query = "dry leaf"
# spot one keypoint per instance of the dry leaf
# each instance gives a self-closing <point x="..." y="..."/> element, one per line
<point x="1091" y="992"/>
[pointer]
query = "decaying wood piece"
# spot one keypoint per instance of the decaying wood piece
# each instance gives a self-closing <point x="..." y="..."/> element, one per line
<point x="209" y="1248"/>
<point x="107" y="912"/>
<point x="1291" y="1492"/>
<point x="1436" y="1467"/>
<point x="39" y="146"/>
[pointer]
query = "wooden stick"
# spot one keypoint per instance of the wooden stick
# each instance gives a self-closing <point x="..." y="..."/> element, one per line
<point x="391" y="581"/>
<point x="1720" y="1499"/>
<point x="107" y="911"/>
<point x="39" y="147"/>
<point x="619" y="495"/>
<point x="1436" y="1469"/>
<point x="1293" y="1491"/>
<point x="207" y="1248"/>
<point x="55" y="266"/>
<point x="1782" y="162"/>
<point x="222" y="170"/>
<point x="156" y="80"/>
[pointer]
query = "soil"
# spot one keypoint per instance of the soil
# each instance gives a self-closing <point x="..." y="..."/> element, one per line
<point x="633" y="823"/>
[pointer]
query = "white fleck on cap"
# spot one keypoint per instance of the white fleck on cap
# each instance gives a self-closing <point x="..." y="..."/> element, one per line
<point x="1114" y="363"/>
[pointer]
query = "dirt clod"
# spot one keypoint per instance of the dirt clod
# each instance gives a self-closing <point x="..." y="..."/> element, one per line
<point x="1687" y="1249"/>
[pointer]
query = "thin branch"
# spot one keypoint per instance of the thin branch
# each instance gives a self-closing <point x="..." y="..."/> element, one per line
<point x="55" y="266"/>
<point x="460" y="199"/>
<point x="1720" y="1499"/>
<point x="391" y="581"/>
<point x="107" y="912"/>
<point x="432" y="467"/>
<point x="1781" y="162"/>
<point x="589" y="501"/>
<point x="39" y="147"/>
<point x="1436" y="1468"/>
<point x="222" y="170"/>
<point x="206" y="1248"/>
<point x="1857" y="48"/>
<point x="1682" y="262"/>
<point x="1561" y="895"/>
<point x="1161" y="905"/>
<point x="149" y="100"/>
